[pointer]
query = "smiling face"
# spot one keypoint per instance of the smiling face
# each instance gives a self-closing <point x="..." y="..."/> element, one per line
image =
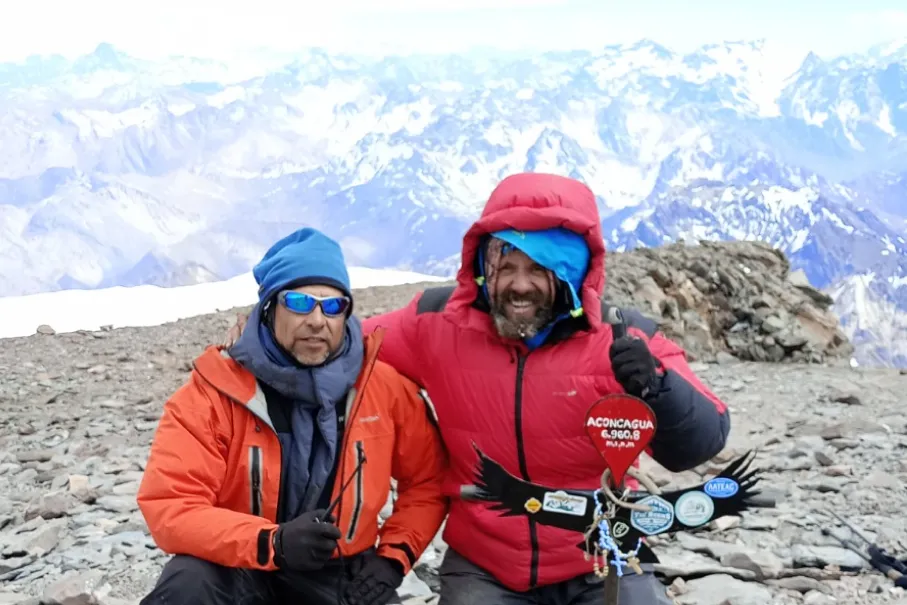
<point x="522" y="293"/>
<point x="311" y="338"/>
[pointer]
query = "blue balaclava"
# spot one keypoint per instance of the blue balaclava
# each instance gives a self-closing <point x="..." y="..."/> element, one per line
<point x="559" y="250"/>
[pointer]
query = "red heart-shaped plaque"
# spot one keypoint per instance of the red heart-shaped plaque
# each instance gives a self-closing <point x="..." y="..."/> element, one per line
<point x="621" y="427"/>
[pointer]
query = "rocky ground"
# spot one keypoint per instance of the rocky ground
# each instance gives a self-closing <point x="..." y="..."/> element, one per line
<point x="78" y="411"/>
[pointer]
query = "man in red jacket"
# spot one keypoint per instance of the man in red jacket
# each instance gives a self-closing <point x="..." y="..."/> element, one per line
<point x="512" y="358"/>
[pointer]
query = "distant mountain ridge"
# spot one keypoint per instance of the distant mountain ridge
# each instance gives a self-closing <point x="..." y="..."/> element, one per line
<point x="121" y="171"/>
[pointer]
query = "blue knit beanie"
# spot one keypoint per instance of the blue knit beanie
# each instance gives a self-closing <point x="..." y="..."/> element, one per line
<point x="304" y="257"/>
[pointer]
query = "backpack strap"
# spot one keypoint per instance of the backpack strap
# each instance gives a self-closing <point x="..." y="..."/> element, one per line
<point x="433" y="300"/>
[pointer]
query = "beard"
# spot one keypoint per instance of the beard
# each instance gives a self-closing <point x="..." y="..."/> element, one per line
<point x="517" y="328"/>
<point x="311" y="358"/>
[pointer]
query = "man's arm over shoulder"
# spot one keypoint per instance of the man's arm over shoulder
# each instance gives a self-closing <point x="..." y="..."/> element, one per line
<point x="401" y="346"/>
<point x="185" y="472"/>
<point x="693" y="423"/>
<point x="420" y="461"/>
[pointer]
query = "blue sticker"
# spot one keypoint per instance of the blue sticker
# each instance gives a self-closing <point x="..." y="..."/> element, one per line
<point x="721" y="487"/>
<point x="694" y="509"/>
<point x="659" y="518"/>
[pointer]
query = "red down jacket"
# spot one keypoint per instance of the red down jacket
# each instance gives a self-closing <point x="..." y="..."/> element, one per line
<point x="527" y="410"/>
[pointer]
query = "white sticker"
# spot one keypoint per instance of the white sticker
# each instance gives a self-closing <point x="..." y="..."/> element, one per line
<point x="562" y="502"/>
<point x="656" y="520"/>
<point x="694" y="509"/>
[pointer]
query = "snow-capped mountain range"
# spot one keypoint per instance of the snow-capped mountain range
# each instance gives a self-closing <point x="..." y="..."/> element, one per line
<point x="120" y="171"/>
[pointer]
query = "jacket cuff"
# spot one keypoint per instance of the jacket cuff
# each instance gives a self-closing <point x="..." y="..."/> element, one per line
<point x="266" y="551"/>
<point x="398" y="552"/>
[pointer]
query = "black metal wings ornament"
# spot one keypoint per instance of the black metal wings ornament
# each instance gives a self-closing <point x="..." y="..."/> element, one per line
<point x="729" y="493"/>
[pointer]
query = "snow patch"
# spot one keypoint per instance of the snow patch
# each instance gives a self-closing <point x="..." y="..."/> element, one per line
<point x="71" y="310"/>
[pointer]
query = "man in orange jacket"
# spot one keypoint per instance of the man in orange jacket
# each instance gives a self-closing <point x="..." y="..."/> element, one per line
<point x="271" y="464"/>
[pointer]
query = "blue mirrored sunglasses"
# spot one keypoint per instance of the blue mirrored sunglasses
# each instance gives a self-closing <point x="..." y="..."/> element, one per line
<point x="300" y="302"/>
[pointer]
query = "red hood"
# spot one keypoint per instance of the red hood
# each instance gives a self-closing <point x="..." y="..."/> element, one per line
<point x="530" y="202"/>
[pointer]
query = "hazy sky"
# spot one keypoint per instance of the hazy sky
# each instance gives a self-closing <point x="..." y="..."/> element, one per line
<point x="221" y="27"/>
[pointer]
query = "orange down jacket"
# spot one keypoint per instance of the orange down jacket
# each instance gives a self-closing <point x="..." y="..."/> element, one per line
<point x="212" y="481"/>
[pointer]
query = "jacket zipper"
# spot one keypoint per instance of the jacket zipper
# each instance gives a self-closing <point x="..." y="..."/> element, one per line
<point x="255" y="479"/>
<point x="281" y="504"/>
<point x="281" y="495"/>
<point x="524" y="469"/>
<point x="349" y="414"/>
<point x="357" y="492"/>
<point x="265" y="537"/>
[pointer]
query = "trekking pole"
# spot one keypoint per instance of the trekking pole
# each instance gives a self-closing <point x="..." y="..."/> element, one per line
<point x="890" y="566"/>
<point x="848" y="544"/>
<point x="618" y="325"/>
<point x="612" y="577"/>
<point x="852" y="528"/>
<point x="613" y="556"/>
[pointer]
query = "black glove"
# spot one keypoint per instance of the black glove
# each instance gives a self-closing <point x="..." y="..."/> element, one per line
<point x="634" y="367"/>
<point x="307" y="542"/>
<point x="375" y="583"/>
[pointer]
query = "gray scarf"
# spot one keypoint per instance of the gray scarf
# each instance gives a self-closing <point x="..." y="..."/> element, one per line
<point x="315" y="393"/>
